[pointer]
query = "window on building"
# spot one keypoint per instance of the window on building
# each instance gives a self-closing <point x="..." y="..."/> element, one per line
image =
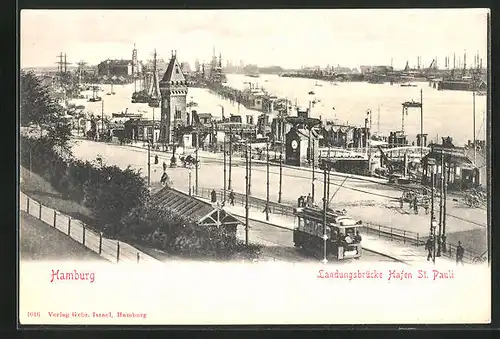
<point x="177" y="70"/>
<point x="178" y="113"/>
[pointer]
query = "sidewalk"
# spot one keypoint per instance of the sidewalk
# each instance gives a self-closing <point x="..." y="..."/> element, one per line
<point x="110" y="249"/>
<point x="414" y="256"/>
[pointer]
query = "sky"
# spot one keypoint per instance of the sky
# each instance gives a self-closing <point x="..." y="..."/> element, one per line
<point x="287" y="38"/>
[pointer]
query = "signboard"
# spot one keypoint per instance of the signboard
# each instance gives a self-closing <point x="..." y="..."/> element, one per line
<point x="458" y="152"/>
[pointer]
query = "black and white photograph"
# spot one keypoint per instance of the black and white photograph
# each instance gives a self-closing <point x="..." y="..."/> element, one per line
<point x="278" y="167"/>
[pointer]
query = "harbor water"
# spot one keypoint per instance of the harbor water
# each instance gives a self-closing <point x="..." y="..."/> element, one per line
<point x="446" y="113"/>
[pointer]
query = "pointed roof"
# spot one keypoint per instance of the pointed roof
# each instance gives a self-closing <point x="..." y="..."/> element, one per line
<point x="174" y="71"/>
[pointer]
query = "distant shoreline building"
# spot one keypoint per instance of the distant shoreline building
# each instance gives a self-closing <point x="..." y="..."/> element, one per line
<point x="118" y="68"/>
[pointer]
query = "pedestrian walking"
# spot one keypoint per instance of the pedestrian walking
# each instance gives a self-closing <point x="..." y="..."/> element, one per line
<point x="429" y="247"/>
<point x="426" y="206"/>
<point x="415" y="205"/>
<point x="156" y="159"/>
<point x="300" y="201"/>
<point x="308" y="200"/>
<point x="401" y="201"/>
<point x="213" y="196"/>
<point x="164" y="166"/>
<point x="460" y="253"/>
<point x="231" y="198"/>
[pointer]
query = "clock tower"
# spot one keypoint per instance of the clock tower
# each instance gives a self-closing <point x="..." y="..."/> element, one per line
<point x="173" y="88"/>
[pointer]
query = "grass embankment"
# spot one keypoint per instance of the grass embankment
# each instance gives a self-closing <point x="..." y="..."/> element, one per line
<point x="41" y="190"/>
<point x="39" y="241"/>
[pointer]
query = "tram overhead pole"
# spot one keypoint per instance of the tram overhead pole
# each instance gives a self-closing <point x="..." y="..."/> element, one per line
<point x="230" y="157"/>
<point x="247" y="187"/>
<point x="267" y="183"/>
<point x="325" y="204"/>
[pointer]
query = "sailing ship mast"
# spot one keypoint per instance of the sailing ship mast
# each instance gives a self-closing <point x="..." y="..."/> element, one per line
<point x="155" y="86"/>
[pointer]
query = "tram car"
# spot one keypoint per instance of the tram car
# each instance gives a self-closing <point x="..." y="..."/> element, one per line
<point x="342" y="242"/>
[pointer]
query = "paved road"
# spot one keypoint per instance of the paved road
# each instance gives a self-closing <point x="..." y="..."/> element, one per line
<point x="279" y="245"/>
<point x="366" y="200"/>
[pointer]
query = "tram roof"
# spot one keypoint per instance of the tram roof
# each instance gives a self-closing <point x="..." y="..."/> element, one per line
<point x="331" y="217"/>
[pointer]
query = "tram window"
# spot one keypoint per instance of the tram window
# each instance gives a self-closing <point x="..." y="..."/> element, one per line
<point x="301" y="223"/>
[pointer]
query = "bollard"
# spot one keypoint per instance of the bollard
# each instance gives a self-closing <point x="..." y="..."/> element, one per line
<point x="100" y="243"/>
<point x="55" y="218"/>
<point x="83" y="234"/>
<point x="391" y="233"/>
<point x="137" y="257"/>
<point x="379" y="231"/>
<point x="117" y="251"/>
<point x="418" y="240"/>
<point x="27" y="204"/>
<point x="404" y="237"/>
<point x="40" y="211"/>
<point x="69" y="226"/>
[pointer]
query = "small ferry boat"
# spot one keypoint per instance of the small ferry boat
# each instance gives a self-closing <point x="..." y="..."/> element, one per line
<point x="408" y="84"/>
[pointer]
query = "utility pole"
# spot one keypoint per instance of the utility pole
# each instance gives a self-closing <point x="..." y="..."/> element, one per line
<point x="224" y="150"/>
<point x="267" y="184"/>
<point x="325" y="202"/>
<point x="378" y="120"/>
<point x="250" y="171"/>
<point x="474" y="124"/>
<point x="196" y="170"/>
<point x="445" y="187"/>
<point x="440" y="205"/>
<point x="311" y="155"/>
<point x="230" y="156"/>
<point x="433" y="227"/>
<point x="421" y="124"/>
<point x="102" y="116"/>
<point x="149" y="163"/>
<point x="189" y="181"/>
<point x="247" y="187"/>
<point x="282" y="130"/>
<point x="153" y="129"/>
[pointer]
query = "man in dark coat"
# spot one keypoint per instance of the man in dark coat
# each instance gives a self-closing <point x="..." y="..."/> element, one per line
<point x="429" y="247"/>
<point x="231" y="198"/>
<point x="164" y="166"/>
<point x="213" y="196"/>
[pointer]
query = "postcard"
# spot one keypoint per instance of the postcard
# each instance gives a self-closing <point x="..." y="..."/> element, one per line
<point x="242" y="167"/>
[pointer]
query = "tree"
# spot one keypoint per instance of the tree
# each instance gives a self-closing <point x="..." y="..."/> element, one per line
<point x="38" y="107"/>
<point x="36" y="104"/>
<point x="113" y="193"/>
